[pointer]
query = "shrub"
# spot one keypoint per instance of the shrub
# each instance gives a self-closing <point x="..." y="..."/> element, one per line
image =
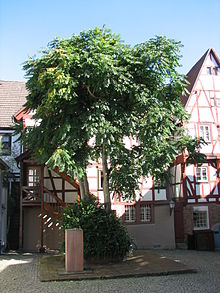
<point x="104" y="235"/>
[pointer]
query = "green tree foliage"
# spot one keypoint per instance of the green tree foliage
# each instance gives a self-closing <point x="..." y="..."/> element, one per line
<point x="93" y="87"/>
<point x="105" y="237"/>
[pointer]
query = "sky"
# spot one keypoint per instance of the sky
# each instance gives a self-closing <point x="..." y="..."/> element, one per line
<point x="27" y="26"/>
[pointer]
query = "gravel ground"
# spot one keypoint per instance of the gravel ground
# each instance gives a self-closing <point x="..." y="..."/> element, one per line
<point x="19" y="273"/>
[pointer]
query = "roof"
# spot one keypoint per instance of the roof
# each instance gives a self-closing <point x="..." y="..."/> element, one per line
<point x="193" y="74"/>
<point x="12" y="98"/>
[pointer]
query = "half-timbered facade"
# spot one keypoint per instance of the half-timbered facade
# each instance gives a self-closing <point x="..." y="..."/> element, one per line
<point x="196" y="187"/>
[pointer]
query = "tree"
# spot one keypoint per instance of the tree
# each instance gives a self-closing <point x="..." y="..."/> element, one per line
<point x="91" y="91"/>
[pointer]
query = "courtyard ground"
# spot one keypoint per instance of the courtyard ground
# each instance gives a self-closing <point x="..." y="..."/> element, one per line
<point x="20" y="273"/>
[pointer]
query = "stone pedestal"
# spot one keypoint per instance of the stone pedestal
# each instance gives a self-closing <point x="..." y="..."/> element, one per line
<point x="74" y="250"/>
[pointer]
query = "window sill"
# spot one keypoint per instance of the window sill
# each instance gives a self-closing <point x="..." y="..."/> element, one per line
<point x="199" y="229"/>
<point x="138" y="223"/>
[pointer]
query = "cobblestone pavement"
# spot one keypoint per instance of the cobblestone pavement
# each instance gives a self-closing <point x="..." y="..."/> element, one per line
<point x="19" y="273"/>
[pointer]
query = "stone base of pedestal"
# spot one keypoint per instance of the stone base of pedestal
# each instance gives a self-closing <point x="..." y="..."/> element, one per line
<point x="62" y="272"/>
<point x="74" y="250"/>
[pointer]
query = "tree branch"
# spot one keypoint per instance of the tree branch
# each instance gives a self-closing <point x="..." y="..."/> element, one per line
<point x="91" y="94"/>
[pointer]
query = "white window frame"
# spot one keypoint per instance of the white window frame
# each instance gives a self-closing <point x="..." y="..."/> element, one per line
<point x="130" y="213"/>
<point x="218" y="102"/>
<point x="204" y="132"/>
<point x="201" y="211"/>
<point x="201" y="177"/>
<point x="145" y="213"/>
<point x="33" y="176"/>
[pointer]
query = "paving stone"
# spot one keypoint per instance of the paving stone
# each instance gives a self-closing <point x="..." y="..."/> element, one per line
<point x="19" y="273"/>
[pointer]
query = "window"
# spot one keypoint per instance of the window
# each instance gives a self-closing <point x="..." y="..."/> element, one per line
<point x="215" y="70"/>
<point x="5" y="144"/>
<point x="33" y="176"/>
<point x="218" y="103"/>
<point x="200" y="218"/>
<point x="212" y="102"/>
<point x="129" y="213"/>
<point x="209" y="70"/>
<point x="100" y="179"/>
<point x="201" y="174"/>
<point x="204" y="132"/>
<point x="145" y="213"/>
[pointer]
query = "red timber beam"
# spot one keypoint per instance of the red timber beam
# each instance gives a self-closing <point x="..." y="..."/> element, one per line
<point x="183" y="167"/>
<point x="74" y="183"/>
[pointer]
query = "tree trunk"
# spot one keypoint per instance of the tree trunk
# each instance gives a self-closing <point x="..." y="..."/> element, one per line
<point x="82" y="189"/>
<point x="86" y="186"/>
<point x="107" y="199"/>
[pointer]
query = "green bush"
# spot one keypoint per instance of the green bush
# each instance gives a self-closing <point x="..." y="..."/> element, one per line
<point x="104" y="235"/>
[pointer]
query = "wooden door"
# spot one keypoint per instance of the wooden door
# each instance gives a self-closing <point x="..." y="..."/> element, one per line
<point x="178" y="223"/>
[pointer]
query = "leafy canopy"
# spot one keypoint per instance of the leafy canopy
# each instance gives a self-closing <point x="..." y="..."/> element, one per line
<point x="91" y="91"/>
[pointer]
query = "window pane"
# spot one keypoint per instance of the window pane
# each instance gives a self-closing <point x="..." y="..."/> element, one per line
<point x="33" y="176"/>
<point x="209" y="70"/>
<point x="215" y="70"/>
<point x="204" y="173"/>
<point x="201" y="174"/>
<point x="200" y="219"/>
<point x="201" y="131"/>
<point x="198" y="173"/>
<point x="204" y="132"/>
<point x="207" y="137"/>
<point x="129" y="213"/>
<point x="145" y="215"/>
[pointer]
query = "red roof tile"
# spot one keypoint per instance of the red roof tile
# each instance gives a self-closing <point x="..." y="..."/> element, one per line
<point x="12" y="98"/>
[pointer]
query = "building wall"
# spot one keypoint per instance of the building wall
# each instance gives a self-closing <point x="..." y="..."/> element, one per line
<point x="213" y="213"/>
<point x="53" y="236"/>
<point x="204" y="107"/>
<point x="160" y="234"/>
<point x="3" y="223"/>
